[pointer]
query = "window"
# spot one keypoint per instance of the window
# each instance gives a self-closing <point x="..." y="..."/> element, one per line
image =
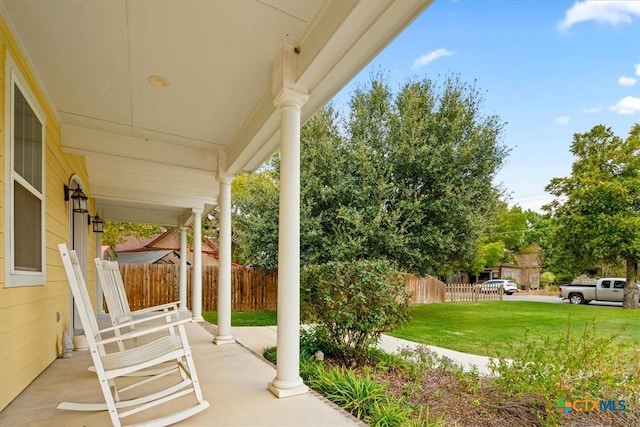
<point x="605" y="284"/>
<point x="25" y="184"/>
<point x="619" y="284"/>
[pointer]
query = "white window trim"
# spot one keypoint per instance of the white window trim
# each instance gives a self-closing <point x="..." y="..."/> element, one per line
<point x="13" y="278"/>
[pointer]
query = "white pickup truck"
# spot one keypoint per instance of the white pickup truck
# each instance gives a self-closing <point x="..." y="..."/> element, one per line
<point x="606" y="289"/>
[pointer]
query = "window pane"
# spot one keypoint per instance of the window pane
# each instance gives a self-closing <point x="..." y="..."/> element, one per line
<point x="27" y="230"/>
<point x="27" y="159"/>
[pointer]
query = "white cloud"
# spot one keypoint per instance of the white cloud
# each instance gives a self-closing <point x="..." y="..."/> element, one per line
<point x="612" y="12"/>
<point x="430" y="57"/>
<point x="628" y="105"/>
<point x="637" y="69"/>
<point x="627" y="81"/>
<point x="561" y="120"/>
<point x="592" y="110"/>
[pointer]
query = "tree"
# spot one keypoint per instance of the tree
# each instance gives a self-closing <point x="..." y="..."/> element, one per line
<point x="493" y="254"/>
<point x="407" y="177"/>
<point x="510" y="227"/>
<point x="598" y="207"/>
<point x="116" y="231"/>
<point x="255" y="217"/>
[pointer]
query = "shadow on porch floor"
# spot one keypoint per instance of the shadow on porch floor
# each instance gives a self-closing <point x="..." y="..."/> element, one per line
<point x="233" y="378"/>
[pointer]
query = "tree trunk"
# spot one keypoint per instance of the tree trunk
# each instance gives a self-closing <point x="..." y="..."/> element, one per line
<point x="631" y="294"/>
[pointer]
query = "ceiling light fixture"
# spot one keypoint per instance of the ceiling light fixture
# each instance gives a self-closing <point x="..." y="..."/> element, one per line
<point x="158" y="81"/>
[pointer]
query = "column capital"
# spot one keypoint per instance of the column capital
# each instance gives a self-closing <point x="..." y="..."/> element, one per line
<point x="197" y="211"/>
<point x="284" y="90"/>
<point x="291" y="96"/>
<point x="225" y="179"/>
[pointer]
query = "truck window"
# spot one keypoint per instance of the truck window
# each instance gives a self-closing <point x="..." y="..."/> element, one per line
<point x="605" y="284"/>
<point x="619" y="284"/>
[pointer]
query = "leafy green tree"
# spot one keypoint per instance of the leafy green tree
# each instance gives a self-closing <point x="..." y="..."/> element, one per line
<point x="401" y="177"/>
<point x="598" y="207"/>
<point x="116" y="231"/>
<point x="510" y="227"/>
<point x="255" y="218"/>
<point x="494" y="254"/>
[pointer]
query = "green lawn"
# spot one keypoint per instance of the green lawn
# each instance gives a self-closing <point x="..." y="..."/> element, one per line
<point x="485" y="327"/>
<point x="249" y="318"/>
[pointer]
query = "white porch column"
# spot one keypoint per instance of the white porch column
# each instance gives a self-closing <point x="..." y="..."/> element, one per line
<point x="196" y="279"/>
<point x="224" y="263"/>
<point x="99" y="295"/>
<point x="287" y="381"/>
<point x="182" y="284"/>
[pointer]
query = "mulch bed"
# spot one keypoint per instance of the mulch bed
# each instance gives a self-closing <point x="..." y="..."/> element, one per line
<point x="448" y="397"/>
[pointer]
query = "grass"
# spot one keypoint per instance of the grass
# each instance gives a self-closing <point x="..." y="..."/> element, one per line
<point x="245" y="318"/>
<point x="486" y="327"/>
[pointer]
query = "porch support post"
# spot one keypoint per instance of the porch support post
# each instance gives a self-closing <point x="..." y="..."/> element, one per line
<point x="182" y="286"/>
<point x="289" y="99"/>
<point x="223" y="335"/>
<point x="196" y="279"/>
<point x="99" y="295"/>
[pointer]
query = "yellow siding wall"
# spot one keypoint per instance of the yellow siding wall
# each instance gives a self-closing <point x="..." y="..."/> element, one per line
<point x="30" y="335"/>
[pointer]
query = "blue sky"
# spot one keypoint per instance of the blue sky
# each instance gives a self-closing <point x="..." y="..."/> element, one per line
<point x="548" y="68"/>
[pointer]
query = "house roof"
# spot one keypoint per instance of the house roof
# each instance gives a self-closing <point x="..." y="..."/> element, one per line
<point x="164" y="242"/>
<point x="146" y="257"/>
<point x="162" y="96"/>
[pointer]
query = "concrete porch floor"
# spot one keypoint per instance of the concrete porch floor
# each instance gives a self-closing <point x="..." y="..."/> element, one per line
<point x="233" y="378"/>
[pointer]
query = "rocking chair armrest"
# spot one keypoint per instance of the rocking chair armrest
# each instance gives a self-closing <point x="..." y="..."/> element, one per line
<point x="161" y="315"/>
<point x="142" y="332"/>
<point x="170" y="306"/>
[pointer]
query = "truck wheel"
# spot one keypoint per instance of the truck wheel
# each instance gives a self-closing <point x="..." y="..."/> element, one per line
<point x="576" y="299"/>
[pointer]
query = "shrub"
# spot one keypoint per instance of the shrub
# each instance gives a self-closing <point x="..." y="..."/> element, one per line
<point x="547" y="278"/>
<point x="352" y="304"/>
<point x="569" y="367"/>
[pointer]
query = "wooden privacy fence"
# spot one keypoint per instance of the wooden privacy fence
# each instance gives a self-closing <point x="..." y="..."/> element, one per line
<point x="153" y="284"/>
<point x="425" y="290"/>
<point x="470" y="292"/>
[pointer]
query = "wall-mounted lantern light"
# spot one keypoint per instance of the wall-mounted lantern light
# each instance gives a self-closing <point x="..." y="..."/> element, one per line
<point x="78" y="198"/>
<point x="97" y="222"/>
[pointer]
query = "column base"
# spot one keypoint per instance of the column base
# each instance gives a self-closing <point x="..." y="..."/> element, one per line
<point x="282" y="389"/>
<point x="224" y="339"/>
<point x="197" y="319"/>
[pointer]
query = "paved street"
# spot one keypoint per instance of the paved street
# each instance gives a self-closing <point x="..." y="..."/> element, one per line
<point x="554" y="300"/>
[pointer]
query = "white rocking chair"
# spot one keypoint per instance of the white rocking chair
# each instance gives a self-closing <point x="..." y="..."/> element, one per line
<point x="111" y="366"/>
<point x="117" y="302"/>
<point x="120" y="313"/>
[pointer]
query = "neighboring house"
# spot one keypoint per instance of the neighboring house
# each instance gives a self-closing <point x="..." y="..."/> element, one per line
<point x="164" y="248"/>
<point x="149" y="109"/>
<point x="525" y="271"/>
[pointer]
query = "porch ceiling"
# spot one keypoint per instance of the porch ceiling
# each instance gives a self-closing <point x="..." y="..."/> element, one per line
<point x="154" y="152"/>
